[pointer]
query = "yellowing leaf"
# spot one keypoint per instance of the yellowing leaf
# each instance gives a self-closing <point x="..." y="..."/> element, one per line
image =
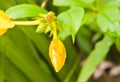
<point x="57" y="54"/>
<point x="2" y="31"/>
<point x="5" y="21"/>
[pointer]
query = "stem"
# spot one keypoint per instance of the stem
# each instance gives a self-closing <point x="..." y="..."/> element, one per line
<point x="35" y="22"/>
<point x="44" y="3"/>
<point x="54" y="30"/>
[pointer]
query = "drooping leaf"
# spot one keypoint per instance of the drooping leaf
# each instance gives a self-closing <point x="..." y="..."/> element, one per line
<point x="24" y="10"/>
<point x="70" y="21"/>
<point x="95" y="57"/>
<point x="108" y="20"/>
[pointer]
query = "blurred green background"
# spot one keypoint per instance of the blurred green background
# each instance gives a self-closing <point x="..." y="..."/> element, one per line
<point x="24" y="53"/>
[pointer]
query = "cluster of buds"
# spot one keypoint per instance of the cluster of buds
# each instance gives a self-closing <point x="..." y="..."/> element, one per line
<point x="46" y="23"/>
<point x="57" y="52"/>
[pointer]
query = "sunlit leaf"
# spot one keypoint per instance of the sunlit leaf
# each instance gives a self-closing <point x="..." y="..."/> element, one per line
<point x="111" y="3"/>
<point x="88" y="1"/>
<point x="108" y="20"/>
<point x="25" y="10"/>
<point x="89" y="18"/>
<point x="70" y="22"/>
<point x="112" y="13"/>
<point x="82" y="3"/>
<point x="95" y="57"/>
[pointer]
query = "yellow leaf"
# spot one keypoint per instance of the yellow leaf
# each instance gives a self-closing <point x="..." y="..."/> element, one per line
<point x="2" y="31"/>
<point x="5" y="21"/>
<point x="57" y="54"/>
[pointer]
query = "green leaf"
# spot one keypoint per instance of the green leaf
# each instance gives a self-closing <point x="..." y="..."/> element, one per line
<point x="82" y="3"/>
<point x="83" y="39"/>
<point x="89" y="18"/>
<point x="88" y="1"/>
<point x="111" y="3"/>
<point x="24" y="10"/>
<point x="70" y="21"/>
<point x="2" y="59"/>
<point x="40" y="41"/>
<point x="117" y="43"/>
<point x="13" y="74"/>
<point x="108" y="20"/>
<point x="1" y="68"/>
<point x="22" y="53"/>
<point x="111" y="12"/>
<point x="95" y="58"/>
<point x="6" y="4"/>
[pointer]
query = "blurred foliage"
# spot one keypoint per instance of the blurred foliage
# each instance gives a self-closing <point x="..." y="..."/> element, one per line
<point x="93" y="26"/>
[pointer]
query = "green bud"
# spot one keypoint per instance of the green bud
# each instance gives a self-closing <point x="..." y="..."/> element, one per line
<point x="41" y="28"/>
<point x="48" y="29"/>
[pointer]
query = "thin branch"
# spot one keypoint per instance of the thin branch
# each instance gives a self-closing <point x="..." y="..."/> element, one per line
<point x="44" y="3"/>
<point x="36" y="22"/>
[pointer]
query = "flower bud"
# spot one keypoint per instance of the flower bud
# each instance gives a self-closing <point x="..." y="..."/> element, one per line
<point x="57" y="54"/>
<point x="41" y="28"/>
<point x="2" y="31"/>
<point x="5" y="22"/>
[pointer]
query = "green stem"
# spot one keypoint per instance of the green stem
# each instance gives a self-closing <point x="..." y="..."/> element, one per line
<point x="35" y="22"/>
<point x="54" y="30"/>
<point x="44" y="3"/>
